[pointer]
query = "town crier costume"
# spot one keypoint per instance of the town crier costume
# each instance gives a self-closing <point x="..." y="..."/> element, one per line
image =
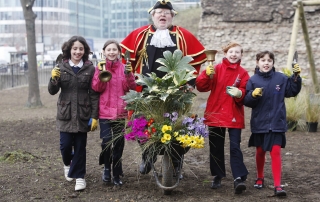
<point x="143" y="55"/>
<point x="146" y="44"/>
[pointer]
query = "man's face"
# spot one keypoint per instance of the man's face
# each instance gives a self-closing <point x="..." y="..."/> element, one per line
<point x="162" y="18"/>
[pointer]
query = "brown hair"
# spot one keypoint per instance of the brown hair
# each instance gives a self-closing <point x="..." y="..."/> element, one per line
<point x="66" y="47"/>
<point x="263" y="53"/>
<point x="107" y="43"/>
<point x="231" y="45"/>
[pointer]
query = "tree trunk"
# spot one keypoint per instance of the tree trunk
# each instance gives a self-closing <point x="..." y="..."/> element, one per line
<point x="30" y="16"/>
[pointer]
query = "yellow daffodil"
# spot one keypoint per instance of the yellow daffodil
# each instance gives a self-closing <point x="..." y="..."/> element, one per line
<point x="163" y="140"/>
<point x="167" y="136"/>
<point x="175" y="134"/>
<point x="165" y="128"/>
<point x="193" y="141"/>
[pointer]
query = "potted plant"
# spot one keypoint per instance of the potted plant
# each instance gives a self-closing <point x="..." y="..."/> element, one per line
<point x="312" y="112"/>
<point x="162" y="123"/>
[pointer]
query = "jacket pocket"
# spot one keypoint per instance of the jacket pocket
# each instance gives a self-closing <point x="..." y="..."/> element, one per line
<point x="64" y="110"/>
<point x="65" y="77"/>
<point x="84" y="81"/>
<point x="85" y="110"/>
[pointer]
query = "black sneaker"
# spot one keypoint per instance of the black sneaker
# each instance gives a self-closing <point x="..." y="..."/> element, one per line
<point x="145" y="167"/>
<point x="117" y="181"/>
<point x="216" y="183"/>
<point x="239" y="186"/>
<point x="279" y="191"/>
<point x="106" y="177"/>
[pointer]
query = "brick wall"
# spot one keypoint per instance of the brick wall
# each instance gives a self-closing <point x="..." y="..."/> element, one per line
<point x="258" y="25"/>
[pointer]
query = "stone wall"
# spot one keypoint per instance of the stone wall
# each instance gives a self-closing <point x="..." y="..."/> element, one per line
<point x="258" y="25"/>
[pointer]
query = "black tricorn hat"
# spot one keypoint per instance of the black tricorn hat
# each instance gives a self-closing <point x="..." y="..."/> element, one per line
<point x="162" y="4"/>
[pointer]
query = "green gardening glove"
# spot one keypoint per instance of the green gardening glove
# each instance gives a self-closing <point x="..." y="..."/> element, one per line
<point x="234" y="91"/>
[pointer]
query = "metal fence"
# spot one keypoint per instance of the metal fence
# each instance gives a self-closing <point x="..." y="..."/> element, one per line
<point x="15" y="74"/>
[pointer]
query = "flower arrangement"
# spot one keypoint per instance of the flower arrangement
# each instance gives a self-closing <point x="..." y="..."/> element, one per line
<point x="188" y="133"/>
<point x="161" y="119"/>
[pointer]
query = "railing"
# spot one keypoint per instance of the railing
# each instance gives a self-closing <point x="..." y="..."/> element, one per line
<point x="15" y="75"/>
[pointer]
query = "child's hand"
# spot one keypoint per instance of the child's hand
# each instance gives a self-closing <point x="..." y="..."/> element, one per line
<point x="128" y="68"/>
<point x="100" y="64"/>
<point x="234" y="92"/>
<point x="210" y="70"/>
<point x="257" y="92"/>
<point x="296" y="69"/>
<point x="55" y="73"/>
<point x="94" y="124"/>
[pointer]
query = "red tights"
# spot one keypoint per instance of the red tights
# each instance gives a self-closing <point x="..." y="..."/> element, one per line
<point x="275" y="155"/>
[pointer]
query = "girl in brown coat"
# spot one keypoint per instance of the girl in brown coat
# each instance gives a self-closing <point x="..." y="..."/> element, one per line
<point x="77" y="105"/>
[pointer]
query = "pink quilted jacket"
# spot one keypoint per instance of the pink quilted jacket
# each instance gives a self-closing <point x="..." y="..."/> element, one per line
<point x="111" y="105"/>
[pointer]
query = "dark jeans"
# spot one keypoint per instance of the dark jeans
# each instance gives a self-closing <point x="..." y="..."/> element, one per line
<point x="111" y="133"/>
<point x="77" y="161"/>
<point x="216" y="142"/>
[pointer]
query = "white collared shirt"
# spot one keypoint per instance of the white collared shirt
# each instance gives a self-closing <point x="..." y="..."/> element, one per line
<point x="78" y="65"/>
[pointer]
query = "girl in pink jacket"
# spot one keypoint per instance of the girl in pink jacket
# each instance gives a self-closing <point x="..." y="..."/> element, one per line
<point x="112" y="111"/>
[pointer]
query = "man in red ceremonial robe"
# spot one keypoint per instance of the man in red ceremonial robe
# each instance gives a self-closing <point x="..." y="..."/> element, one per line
<point x="146" y="44"/>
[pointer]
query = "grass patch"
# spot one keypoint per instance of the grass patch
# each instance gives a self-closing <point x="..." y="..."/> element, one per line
<point x="15" y="156"/>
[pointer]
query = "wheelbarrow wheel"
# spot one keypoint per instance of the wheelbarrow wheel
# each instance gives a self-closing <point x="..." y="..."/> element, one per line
<point x="167" y="173"/>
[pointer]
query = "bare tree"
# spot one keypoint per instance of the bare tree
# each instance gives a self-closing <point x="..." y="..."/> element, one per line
<point x="30" y="16"/>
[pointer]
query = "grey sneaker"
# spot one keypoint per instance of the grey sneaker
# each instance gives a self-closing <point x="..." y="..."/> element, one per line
<point x="239" y="186"/>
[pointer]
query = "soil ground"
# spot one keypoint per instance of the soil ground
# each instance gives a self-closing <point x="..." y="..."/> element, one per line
<point x="31" y="168"/>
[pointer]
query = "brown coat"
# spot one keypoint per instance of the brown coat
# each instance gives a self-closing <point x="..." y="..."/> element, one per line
<point x="77" y="102"/>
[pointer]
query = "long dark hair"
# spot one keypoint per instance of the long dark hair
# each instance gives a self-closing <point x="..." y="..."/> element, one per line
<point x="66" y="48"/>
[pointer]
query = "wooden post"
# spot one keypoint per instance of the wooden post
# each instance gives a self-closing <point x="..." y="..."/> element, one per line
<point x="308" y="46"/>
<point x="307" y="3"/>
<point x="293" y="40"/>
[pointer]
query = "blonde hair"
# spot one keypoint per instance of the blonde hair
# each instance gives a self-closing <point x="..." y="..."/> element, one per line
<point x="231" y="45"/>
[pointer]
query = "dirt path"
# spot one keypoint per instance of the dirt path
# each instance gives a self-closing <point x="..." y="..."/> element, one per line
<point x="30" y="136"/>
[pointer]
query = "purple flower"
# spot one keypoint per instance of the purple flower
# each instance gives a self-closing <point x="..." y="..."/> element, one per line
<point x="187" y="120"/>
<point x="174" y="116"/>
<point x="137" y="129"/>
<point x="166" y="115"/>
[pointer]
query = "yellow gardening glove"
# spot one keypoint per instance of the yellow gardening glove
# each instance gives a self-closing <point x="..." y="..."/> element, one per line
<point x="94" y="124"/>
<point x="55" y="73"/>
<point x="296" y="69"/>
<point x="102" y="62"/>
<point x="210" y="70"/>
<point x="234" y="91"/>
<point x="128" y="68"/>
<point x="257" y="92"/>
